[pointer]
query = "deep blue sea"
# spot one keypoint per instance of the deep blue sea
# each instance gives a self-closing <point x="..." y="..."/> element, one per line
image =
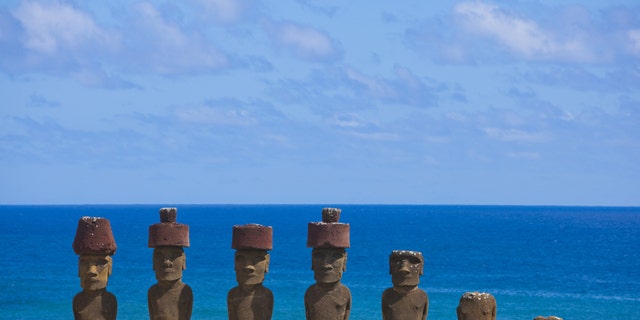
<point x="574" y="262"/>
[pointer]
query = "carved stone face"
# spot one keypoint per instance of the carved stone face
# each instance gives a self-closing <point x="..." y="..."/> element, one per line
<point x="251" y="266"/>
<point x="328" y="264"/>
<point x="168" y="262"/>
<point x="477" y="307"/>
<point x="405" y="269"/>
<point x="94" y="271"/>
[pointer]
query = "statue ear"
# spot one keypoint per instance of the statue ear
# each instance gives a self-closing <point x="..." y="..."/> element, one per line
<point x="184" y="264"/>
<point x="421" y="268"/>
<point x="344" y="264"/>
<point x="268" y="259"/>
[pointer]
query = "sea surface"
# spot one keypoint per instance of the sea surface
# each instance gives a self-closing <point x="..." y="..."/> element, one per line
<point x="573" y="262"/>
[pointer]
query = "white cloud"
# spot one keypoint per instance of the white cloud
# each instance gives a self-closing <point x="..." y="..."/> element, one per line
<point x="375" y="87"/>
<point x="53" y="27"/>
<point x="217" y="116"/>
<point x="223" y="11"/>
<point x="524" y="155"/>
<point x="521" y="36"/>
<point x="515" y="135"/>
<point x="306" y="42"/>
<point x="159" y="46"/>
<point x="634" y="40"/>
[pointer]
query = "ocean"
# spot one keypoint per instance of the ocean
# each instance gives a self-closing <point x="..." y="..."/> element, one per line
<point x="573" y="262"/>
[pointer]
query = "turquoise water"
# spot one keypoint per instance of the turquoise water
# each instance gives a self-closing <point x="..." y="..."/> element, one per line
<point x="574" y="262"/>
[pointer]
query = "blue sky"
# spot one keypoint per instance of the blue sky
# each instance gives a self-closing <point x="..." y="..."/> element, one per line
<point x="237" y="101"/>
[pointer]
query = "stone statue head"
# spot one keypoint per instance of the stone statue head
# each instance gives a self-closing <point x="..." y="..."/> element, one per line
<point x="328" y="264"/>
<point x="329" y="240"/>
<point x="251" y="242"/>
<point x="477" y="306"/>
<point x="251" y="265"/>
<point x="168" y="262"/>
<point x="405" y="267"/>
<point x="94" y="243"/>
<point x="94" y="271"/>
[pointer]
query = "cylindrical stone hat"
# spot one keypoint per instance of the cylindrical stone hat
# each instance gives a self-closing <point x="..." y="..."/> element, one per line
<point x="329" y="233"/>
<point x="252" y="236"/>
<point x="94" y="236"/>
<point x="168" y="232"/>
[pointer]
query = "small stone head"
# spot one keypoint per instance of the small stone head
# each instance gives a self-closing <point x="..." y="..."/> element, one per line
<point x="94" y="243"/>
<point x="405" y="267"/>
<point x="477" y="306"/>
<point x="251" y="260"/>
<point x="169" y="262"/>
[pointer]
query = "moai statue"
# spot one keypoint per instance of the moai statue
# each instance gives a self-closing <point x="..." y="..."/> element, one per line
<point x="547" y="318"/>
<point x="405" y="301"/>
<point x="250" y="300"/>
<point x="477" y="306"/>
<point x="95" y="245"/>
<point x="170" y="298"/>
<point x="328" y="299"/>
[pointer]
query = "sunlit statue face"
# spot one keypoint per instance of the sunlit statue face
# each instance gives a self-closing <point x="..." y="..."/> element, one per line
<point x="328" y="264"/>
<point x="405" y="268"/>
<point x="168" y="263"/>
<point x="251" y="266"/>
<point x="94" y="271"/>
<point x="477" y="306"/>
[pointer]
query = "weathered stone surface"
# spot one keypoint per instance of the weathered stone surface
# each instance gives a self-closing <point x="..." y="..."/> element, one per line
<point x="329" y="233"/>
<point x="250" y="300"/>
<point x="477" y="306"/>
<point x="168" y="232"/>
<point x="331" y="215"/>
<point x="547" y="318"/>
<point x="252" y="236"/>
<point x="94" y="236"/>
<point x="95" y="244"/>
<point x="168" y="214"/>
<point x="405" y="301"/>
<point x="170" y="298"/>
<point x="328" y="298"/>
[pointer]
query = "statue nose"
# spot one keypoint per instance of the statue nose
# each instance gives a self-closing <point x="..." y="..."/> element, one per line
<point x="404" y="267"/>
<point x="93" y="270"/>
